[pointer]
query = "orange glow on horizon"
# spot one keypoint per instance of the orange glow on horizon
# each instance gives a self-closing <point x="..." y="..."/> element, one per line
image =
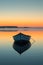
<point x="21" y="21"/>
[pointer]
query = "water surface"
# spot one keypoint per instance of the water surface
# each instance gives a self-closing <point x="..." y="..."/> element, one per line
<point x="32" y="56"/>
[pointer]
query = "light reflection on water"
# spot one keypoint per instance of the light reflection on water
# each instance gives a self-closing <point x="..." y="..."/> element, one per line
<point x="32" y="56"/>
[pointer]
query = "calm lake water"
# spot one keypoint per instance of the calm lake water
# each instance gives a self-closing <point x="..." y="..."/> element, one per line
<point x="32" y="56"/>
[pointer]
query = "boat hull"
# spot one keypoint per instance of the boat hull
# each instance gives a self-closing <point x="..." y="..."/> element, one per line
<point x="20" y="37"/>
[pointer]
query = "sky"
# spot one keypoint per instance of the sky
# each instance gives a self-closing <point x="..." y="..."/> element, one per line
<point x="21" y="13"/>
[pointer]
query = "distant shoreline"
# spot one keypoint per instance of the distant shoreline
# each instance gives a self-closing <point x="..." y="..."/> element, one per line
<point x="20" y="27"/>
<point x="15" y="28"/>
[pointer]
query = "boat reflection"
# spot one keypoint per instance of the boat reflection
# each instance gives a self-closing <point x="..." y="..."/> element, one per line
<point x="21" y="46"/>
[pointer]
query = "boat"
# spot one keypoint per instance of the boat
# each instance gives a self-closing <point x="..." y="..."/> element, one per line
<point x="21" y="42"/>
<point x="21" y="37"/>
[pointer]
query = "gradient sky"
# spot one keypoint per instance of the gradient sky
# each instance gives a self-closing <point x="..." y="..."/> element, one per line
<point x="21" y="12"/>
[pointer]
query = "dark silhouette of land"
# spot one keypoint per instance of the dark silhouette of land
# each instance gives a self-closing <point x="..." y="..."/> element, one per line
<point x="15" y="28"/>
<point x="20" y="27"/>
<point x="8" y="27"/>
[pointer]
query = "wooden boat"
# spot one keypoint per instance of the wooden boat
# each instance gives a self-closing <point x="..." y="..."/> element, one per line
<point x="21" y="37"/>
<point x="21" y="42"/>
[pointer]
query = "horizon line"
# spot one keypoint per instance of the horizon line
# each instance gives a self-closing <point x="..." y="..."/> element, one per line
<point x="21" y="27"/>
